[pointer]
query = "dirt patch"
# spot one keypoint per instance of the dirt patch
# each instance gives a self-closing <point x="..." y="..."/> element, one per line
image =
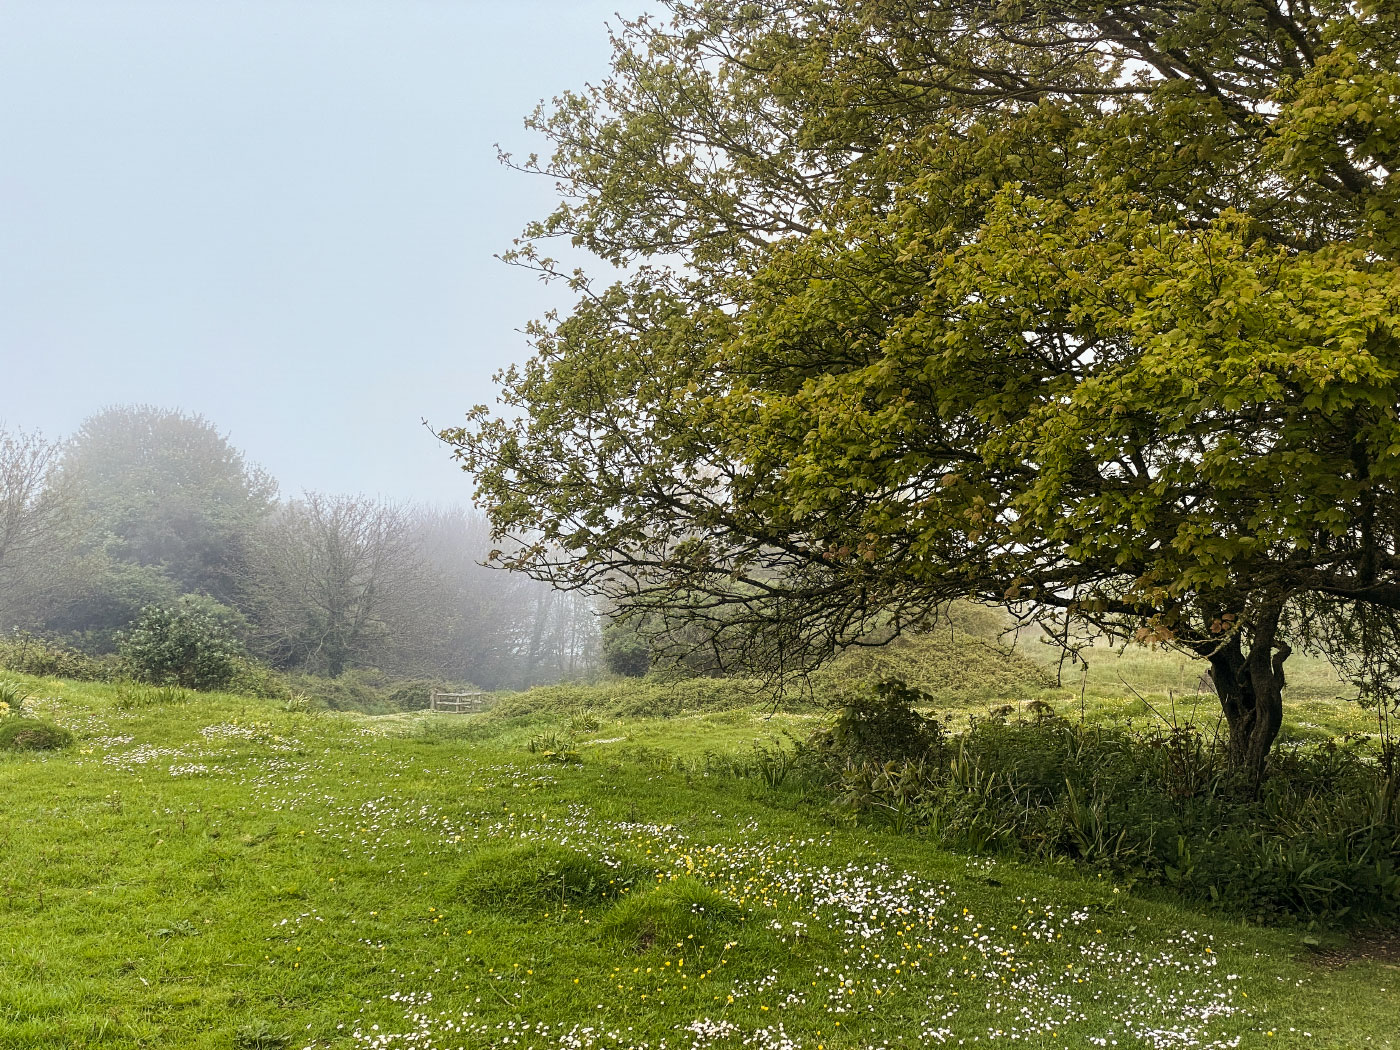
<point x="1382" y="947"/>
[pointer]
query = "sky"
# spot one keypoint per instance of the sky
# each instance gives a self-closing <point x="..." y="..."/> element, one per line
<point x="280" y="215"/>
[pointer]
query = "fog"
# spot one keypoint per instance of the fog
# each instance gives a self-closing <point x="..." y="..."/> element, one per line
<point x="281" y="217"/>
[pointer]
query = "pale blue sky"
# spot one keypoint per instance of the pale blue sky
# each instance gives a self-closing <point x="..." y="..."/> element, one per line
<point x="281" y="215"/>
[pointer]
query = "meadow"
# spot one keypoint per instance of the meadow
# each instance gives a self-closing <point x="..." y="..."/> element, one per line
<point x="210" y="870"/>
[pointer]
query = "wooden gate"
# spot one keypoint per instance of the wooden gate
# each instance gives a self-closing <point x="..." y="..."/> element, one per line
<point x="458" y="703"/>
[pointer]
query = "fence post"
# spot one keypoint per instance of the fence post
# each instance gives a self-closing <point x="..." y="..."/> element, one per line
<point x="432" y="700"/>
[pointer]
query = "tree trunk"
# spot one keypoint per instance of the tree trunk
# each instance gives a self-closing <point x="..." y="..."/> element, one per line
<point x="1250" y="687"/>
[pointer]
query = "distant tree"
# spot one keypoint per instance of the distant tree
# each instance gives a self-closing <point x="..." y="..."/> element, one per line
<point x="38" y="513"/>
<point x="92" y="597"/>
<point x="499" y="630"/>
<point x="480" y="618"/>
<point x="1088" y="309"/>
<point x="638" y="638"/>
<point x="165" y="489"/>
<point x="335" y="582"/>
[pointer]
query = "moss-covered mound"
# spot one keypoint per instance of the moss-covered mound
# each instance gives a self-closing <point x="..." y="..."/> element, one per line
<point x="671" y="914"/>
<point x="32" y="734"/>
<point x="530" y="876"/>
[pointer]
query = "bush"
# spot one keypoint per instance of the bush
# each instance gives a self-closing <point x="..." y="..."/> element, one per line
<point x="30" y="654"/>
<point x="32" y="734"/>
<point x="184" y="645"/>
<point x="251" y="678"/>
<point x="1320" y="839"/>
<point x="12" y="698"/>
<point x="880" y="725"/>
<point x="557" y="747"/>
<point x="355" y="690"/>
<point x="625" y="652"/>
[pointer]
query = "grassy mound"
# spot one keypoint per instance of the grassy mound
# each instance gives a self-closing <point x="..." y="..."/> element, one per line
<point x="631" y="698"/>
<point x="951" y="667"/>
<point x="32" y="734"/>
<point x="673" y="913"/>
<point x="529" y="876"/>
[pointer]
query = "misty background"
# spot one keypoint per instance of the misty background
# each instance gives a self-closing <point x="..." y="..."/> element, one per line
<point x="280" y="217"/>
<point x="246" y="250"/>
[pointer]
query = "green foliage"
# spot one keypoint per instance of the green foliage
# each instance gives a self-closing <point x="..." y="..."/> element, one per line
<point x="251" y="678"/>
<point x="529" y="876"/>
<point x="582" y="721"/>
<point x="554" y="746"/>
<point x="367" y="690"/>
<point x="360" y="690"/>
<point x="259" y="1035"/>
<point x="680" y="913"/>
<point x="627" y="698"/>
<point x="414" y="694"/>
<point x="185" y="644"/>
<point x="31" y="654"/>
<point x="1319" y="840"/>
<point x="166" y="490"/>
<point x="12" y="698"/>
<point x="948" y="664"/>
<point x="880" y="725"/>
<point x="625" y="652"/>
<point x="133" y="696"/>
<point x="32" y="734"/>
<point x="103" y="596"/>
<point x="955" y="305"/>
<point x="297" y="703"/>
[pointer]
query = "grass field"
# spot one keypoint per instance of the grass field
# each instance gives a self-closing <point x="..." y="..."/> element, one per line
<point x="221" y="872"/>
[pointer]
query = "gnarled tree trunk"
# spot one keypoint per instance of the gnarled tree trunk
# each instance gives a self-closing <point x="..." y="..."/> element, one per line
<point x="1250" y="687"/>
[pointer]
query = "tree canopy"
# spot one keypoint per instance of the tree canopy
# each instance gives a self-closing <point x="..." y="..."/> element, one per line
<point x="1088" y="309"/>
<point x="166" y="490"/>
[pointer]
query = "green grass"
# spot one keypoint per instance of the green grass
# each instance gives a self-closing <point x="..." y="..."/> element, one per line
<point x="222" y="873"/>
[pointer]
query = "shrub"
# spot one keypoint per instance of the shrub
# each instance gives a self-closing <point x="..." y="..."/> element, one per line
<point x="251" y="678"/>
<point x="184" y="644"/>
<point x="625" y="652"/>
<point x="1319" y="839"/>
<point x="29" y="654"/>
<point x="880" y="725"/>
<point x="32" y="734"/>
<point x="557" y="747"/>
<point x="356" y="690"/>
<point x="12" y="698"/>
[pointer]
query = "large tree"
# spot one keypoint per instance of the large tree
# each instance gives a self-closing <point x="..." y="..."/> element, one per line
<point x="336" y="582"/>
<point x="1089" y="309"/>
<point x="166" y="490"/>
